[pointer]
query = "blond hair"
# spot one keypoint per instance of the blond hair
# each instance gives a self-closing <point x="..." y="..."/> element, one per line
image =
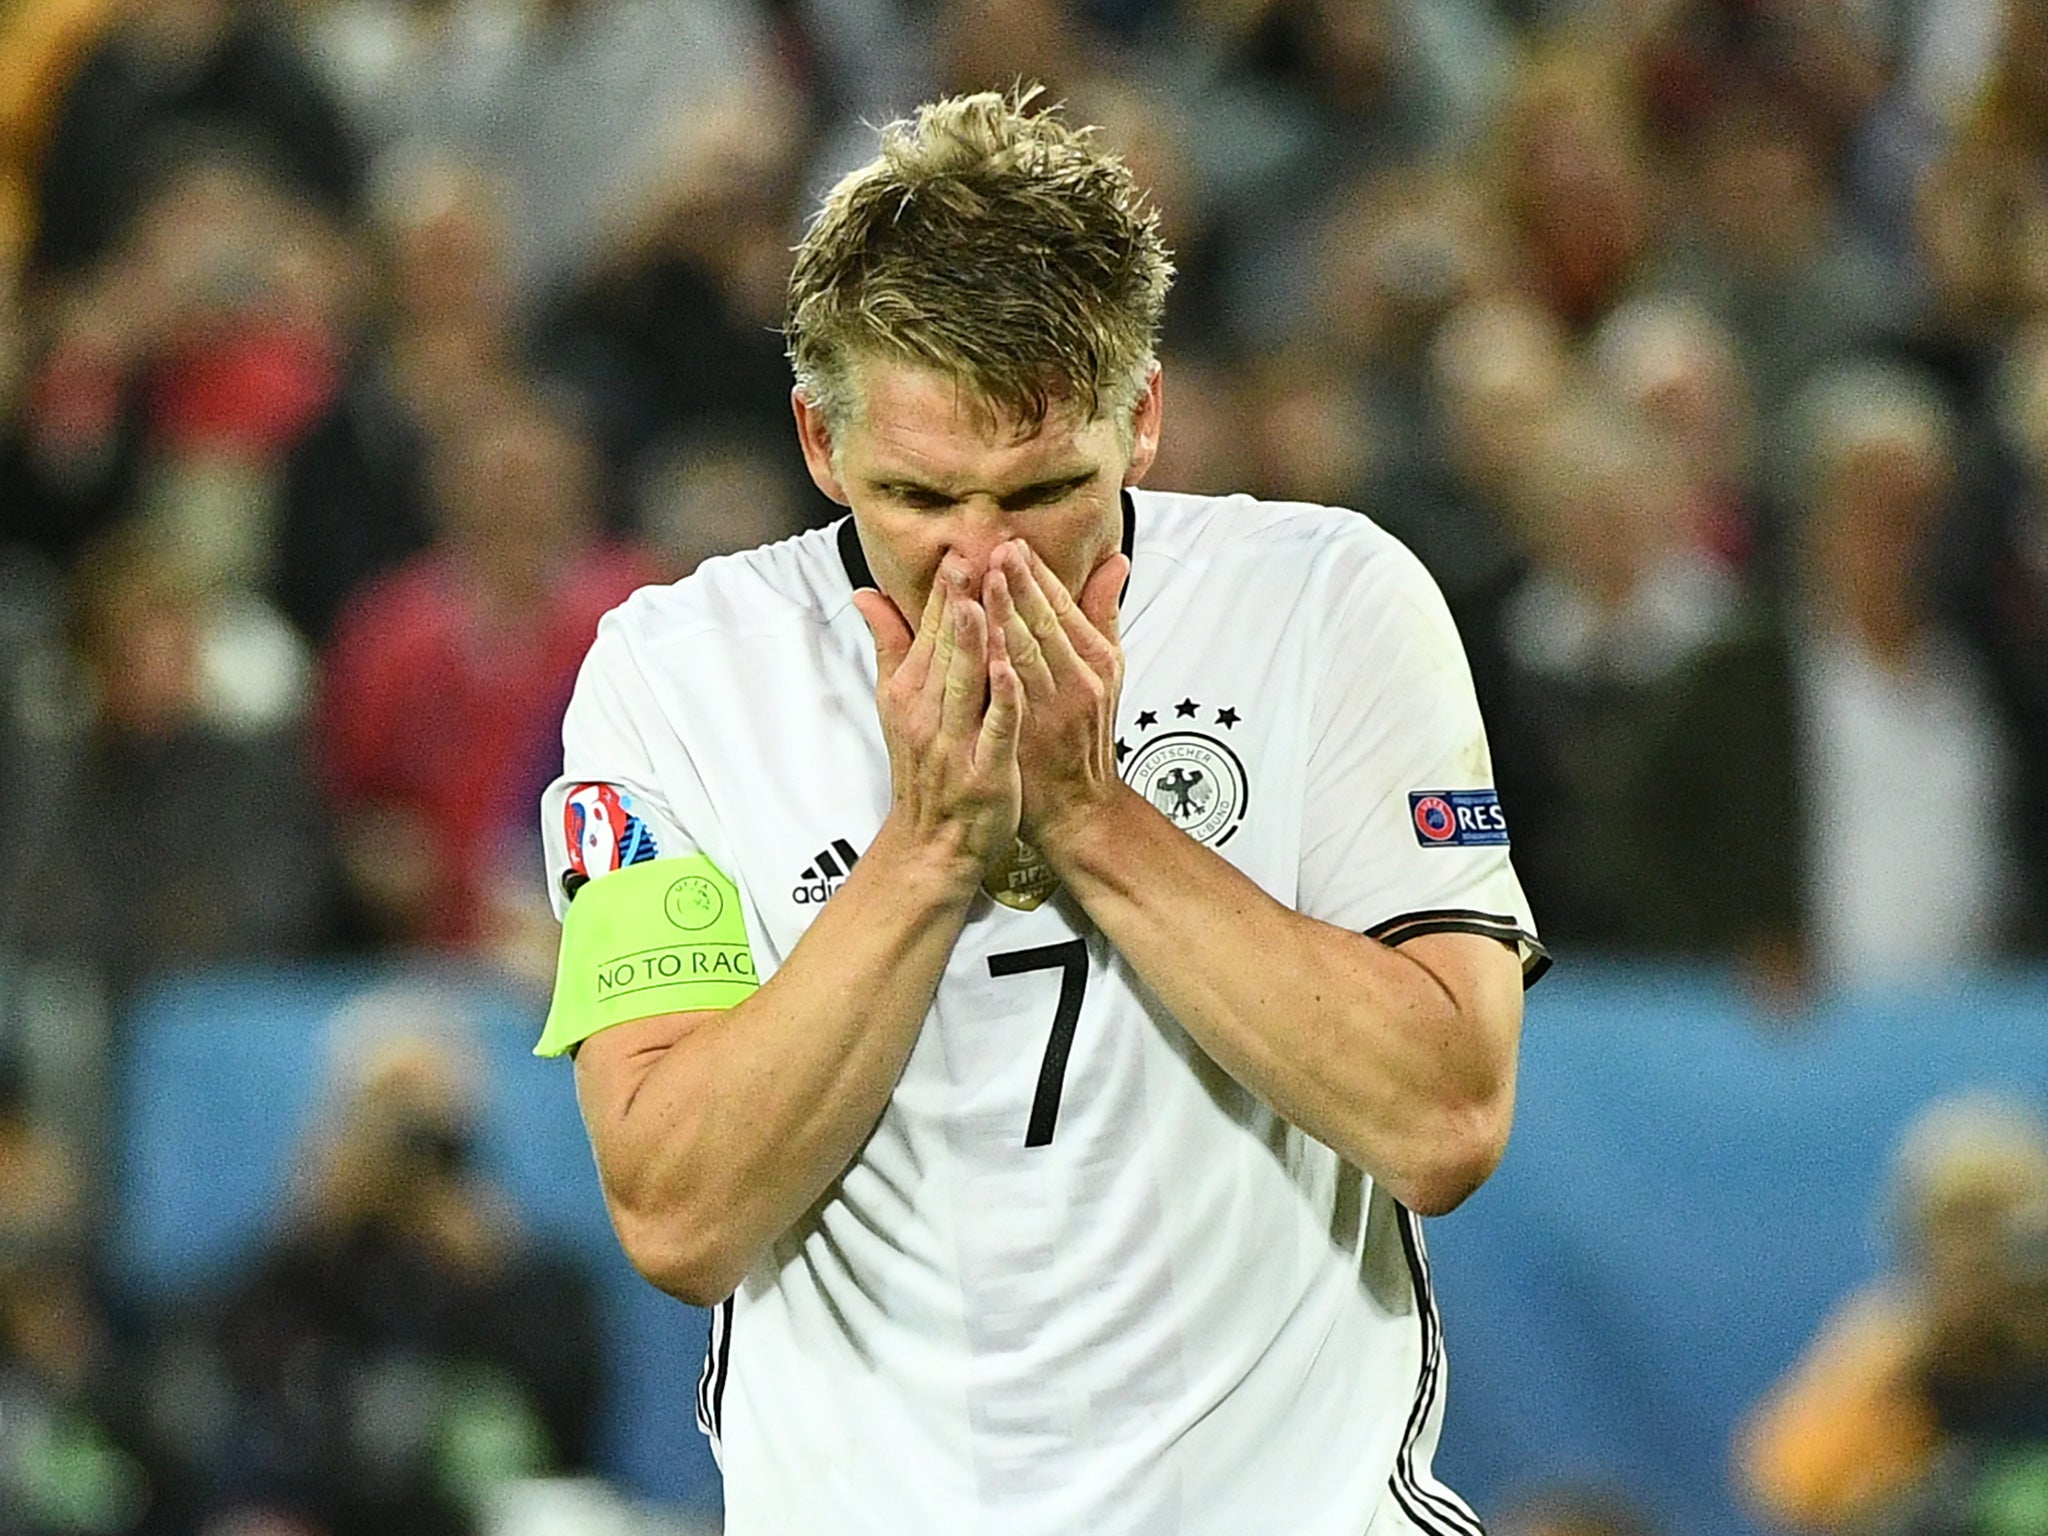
<point x="998" y="246"/>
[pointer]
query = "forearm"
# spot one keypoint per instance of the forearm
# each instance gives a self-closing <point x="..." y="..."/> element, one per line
<point x="715" y="1136"/>
<point x="1363" y="1046"/>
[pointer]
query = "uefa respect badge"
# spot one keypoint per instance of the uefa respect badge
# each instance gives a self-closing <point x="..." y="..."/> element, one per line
<point x="1457" y="818"/>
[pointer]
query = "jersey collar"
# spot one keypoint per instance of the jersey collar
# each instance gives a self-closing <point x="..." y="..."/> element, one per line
<point x="855" y="560"/>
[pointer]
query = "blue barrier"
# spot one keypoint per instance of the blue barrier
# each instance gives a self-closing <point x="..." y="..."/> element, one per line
<point x="1689" y="1188"/>
<point x="222" y="1075"/>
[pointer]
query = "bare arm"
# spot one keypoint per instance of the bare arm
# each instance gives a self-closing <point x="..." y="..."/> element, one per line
<point x="1403" y="1060"/>
<point x="714" y="1132"/>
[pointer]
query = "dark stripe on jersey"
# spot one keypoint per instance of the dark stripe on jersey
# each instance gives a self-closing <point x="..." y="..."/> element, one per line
<point x="1488" y="925"/>
<point x="1130" y="538"/>
<point x="724" y="1371"/>
<point x="704" y="1376"/>
<point x="1436" y="1510"/>
<point x="711" y="1380"/>
<point x="852" y="556"/>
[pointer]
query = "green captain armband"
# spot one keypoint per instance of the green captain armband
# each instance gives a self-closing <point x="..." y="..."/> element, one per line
<point x="661" y="937"/>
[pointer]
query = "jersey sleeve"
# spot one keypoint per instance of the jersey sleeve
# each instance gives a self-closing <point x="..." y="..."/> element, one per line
<point x="1403" y="832"/>
<point x="606" y="811"/>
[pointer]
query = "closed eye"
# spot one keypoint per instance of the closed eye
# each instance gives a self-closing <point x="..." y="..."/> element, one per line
<point x="925" y="498"/>
<point x="920" y="498"/>
<point x="1044" y="494"/>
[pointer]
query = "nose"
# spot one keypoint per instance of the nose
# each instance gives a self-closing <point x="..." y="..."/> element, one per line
<point x="978" y="529"/>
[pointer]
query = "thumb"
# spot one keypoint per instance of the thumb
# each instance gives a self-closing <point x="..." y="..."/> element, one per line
<point x="886" y="624"/>
<point x="1103" y="592"/>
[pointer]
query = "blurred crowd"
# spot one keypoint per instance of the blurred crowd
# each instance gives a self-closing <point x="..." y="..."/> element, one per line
<point x="356" y="355"/>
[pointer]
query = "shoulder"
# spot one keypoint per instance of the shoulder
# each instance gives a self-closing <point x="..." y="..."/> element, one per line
<point x="1298" y="548"/>
<point x="796" y="585"/>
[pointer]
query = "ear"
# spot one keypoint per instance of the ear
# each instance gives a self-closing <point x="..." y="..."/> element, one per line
<point x="815" y="438"/>
<point x="1145" y="429"/>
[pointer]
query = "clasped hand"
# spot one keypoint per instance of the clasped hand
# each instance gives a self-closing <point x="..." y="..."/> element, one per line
<point x="1000" y="711"/>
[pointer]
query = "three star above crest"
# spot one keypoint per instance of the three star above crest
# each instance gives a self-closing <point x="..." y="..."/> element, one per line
<point x="1186" y="709"/>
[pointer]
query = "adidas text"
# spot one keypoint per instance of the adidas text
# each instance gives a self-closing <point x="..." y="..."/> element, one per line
<point x="825" y="874"/>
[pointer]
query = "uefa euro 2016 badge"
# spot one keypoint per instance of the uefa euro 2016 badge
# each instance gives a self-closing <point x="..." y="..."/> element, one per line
<point x="1189" y="775"/>
<point x="601" y="834"/>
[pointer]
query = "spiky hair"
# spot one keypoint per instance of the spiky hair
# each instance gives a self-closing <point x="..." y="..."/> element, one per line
<point x="994" y="244"/>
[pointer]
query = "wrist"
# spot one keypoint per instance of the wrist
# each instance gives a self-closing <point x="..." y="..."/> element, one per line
<point x="935" y="866"/>
<point x="1087" y="835"/>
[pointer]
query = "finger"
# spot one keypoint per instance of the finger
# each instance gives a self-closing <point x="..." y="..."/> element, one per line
<point x="966" y="678"/>
<point x="1008" y="631"/>
<point x="1087" y="640"/>
<point x="997" y="744"/>
<point x="1038" y="604"/>
<point x="945" y="642"/>
<point x="929" y="623"/>
<point x="1102" y="596"/>
<point x="891" y="631"/>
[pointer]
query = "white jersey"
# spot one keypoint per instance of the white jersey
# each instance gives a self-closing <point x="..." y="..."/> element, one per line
<point x="1114" y="1293"/>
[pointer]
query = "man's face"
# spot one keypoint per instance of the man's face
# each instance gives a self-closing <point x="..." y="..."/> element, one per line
<point x="928" y="474"/>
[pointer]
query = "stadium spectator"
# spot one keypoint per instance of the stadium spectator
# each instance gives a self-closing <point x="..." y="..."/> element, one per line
<point x="554" y="97"/>
<point x="355" y="496"/>
<point x="403" y="1347"/>
<point x="675" y="329"/>
<point x="179" y="371"/>
<point x="1301" y="97"/>
<point x="1922" y="1402"/>
<point x="446" y="673"/>
<point x="1402" y="251"/>
<point x="1499" y="367"/>
<point x="1995" y="582"/>
<point x="1906" y="773"/>
<point x="43" y="45"/>
<point x="1765" y="248"/>
<point x="1982" y="208"/>
<point x="74" y="1455"/>
<point x="976" y="41"/>
<point x="186" y="831"/>
<point x="1674" y="363"/>
<point x="711" y="493"/>
<point x="1157" y="137"/>
<point x="1572" y="178"/>
<point x="1644" y="745"/>
<point x="1209" y="454"/>
<point x="167" y="70"/>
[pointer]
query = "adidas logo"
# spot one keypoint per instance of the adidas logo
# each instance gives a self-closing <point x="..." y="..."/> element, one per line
<point x="824" y="874"/>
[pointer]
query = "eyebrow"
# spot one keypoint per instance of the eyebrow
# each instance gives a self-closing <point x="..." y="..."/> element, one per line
<point x="1052" y="484"/>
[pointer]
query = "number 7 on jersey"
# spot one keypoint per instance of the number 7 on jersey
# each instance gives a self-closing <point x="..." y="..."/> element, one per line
<point x="1070" y="959"/>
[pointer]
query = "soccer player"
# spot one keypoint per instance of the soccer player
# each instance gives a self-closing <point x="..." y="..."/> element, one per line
<point x="1047" y="940"/>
